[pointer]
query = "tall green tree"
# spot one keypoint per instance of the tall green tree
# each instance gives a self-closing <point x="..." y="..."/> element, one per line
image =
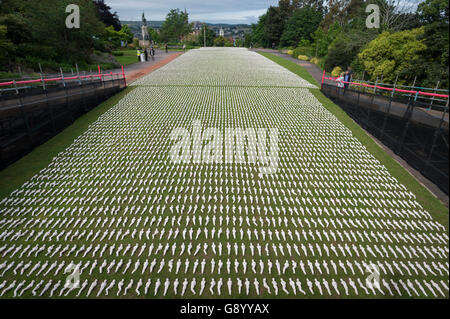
<point x="274" y="26"/>
<point x="300" y="26"/>
<point x="434" y="66"/>
<point x="259" y="38"/>
<point x="154" y="35"/>
<point x="210" y="36"/>
<point x="106" y="16"/>
<point x="6" y="46"/>
<point x="175" y="26"/>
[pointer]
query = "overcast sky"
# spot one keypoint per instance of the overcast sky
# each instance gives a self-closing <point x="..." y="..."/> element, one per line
<point x="213" y="11"/>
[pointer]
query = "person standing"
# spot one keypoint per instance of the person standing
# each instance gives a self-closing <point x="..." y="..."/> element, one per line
<point x="340" y="81"/>
<point x="166" y="48"/>
<point x="146" y="55"/>
<point x="347" y="78"/>
<point x="139" y="55"/>
<point x="152" y="52"/>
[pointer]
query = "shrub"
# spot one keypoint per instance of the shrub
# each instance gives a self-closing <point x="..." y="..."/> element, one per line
<point x="302" y="51"/>
<point x="303" y="57"/>
<point x="290" y="52"/>
<point x="336" y="71"/>
<point x="315" y="61"/>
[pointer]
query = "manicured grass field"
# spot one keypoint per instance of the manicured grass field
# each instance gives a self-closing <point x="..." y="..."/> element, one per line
<point x="128" y="57"/>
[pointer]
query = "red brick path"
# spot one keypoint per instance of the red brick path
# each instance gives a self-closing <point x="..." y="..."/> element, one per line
<point x="140" y="73"/>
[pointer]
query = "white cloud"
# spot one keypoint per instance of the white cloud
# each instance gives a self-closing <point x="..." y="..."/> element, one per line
<point x="214" y="11"/>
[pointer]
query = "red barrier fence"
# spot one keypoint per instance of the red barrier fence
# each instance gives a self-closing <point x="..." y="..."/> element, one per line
<point x="63" y="78"/>
<point x="385" y="88"/>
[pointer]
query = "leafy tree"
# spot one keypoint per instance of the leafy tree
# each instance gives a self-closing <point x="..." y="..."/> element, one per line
<point x="248" y="40"/>
<point x="175" y="26"/>
<point x="126" y="34"/>
<point x="390" y="54"/>
<point x="320" y="42"/>
<point x="219" y="42"/>
<point x="210" y="36"/>
<point x="274" y="26"/>
<point x="35" y="41"/>
<point x="345" y="48"/>
<point x="113" y="39"/>
<point x="258" y="32"/>
<point x="301" y="25"/>
<point x="433" y="65"/>
<point x="286" y="9"/>
<point x="106" y="16"/>
<point x="154" y="35"/>
<point x="323" y="39"/>
<point x="6" y="46"/>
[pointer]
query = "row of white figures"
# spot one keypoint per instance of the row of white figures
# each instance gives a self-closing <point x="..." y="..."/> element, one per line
<point x="221" y="287"/>
<point x="233" y="266"/>
<point x="219" y="220"/>
<point x="226" y="249"/>
<point x="309" y="246"/>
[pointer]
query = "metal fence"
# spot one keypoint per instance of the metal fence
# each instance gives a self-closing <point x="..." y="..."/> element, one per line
<point x="32" y="113"/>
<point x="403" y="122"/>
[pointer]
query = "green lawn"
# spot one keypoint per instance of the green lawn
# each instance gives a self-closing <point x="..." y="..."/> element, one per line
<point x="128" y="57"/>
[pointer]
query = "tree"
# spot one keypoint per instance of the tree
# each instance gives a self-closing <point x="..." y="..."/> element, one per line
<point x="344" y="49"/>
<point x="301" y="25"/>
<point x="392" y="54"/>
<point x="219" y="42"/>
<point x="274" y="26"/>
<point x="154" y="35"/>
<point x="126" y="34"/>
<point x="396" y="15"/>
<point x="6" y="46"/>
<point x="106" y="16"/>
<point x="433" y="67"/>
<point x="175" y="26"/>
<point x="286" y="9"/>
<point x="258" y="32"/>
<point x="210" y="36"/>
<point x="248" y="40"/>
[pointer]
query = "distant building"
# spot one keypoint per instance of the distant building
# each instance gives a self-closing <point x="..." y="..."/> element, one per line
<point x="144" y="42"/>
<point x="221" y="32"/>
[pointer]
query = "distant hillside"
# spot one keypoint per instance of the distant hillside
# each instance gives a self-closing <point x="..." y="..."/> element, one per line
<point x="158" y="24"/>
<point x="230" y="30"/>
<point x="136" y="25"/>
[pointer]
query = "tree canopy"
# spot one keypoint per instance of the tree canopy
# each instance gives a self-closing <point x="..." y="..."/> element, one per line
<point x="301" y="25"/>
<point x="175" y="26"/>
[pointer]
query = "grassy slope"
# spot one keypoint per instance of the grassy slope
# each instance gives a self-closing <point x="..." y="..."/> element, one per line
<point x="424" y="196"/>
<point x="21" y="171"/>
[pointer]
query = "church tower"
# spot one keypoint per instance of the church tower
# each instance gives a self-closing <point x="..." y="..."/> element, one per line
<point x="144" y="42"/>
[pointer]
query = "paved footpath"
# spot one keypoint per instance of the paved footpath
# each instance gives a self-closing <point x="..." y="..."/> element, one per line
<point x="137" y="70"/>
<point x="220" y="175"/>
